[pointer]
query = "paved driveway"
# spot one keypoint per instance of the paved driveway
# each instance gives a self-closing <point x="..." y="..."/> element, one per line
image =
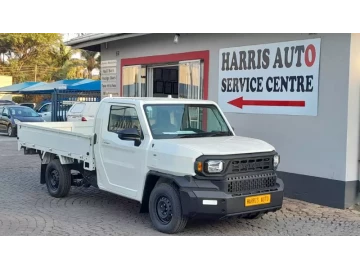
<point x="27" y="209"/>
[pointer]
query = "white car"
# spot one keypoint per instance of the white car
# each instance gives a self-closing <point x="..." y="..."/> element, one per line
<point x="45" y="110"/>
<point x="82" y="111"/>
<point x="180" y="159"/>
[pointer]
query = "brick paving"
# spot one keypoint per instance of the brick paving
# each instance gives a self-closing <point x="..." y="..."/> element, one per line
<point x="27" y="209"/>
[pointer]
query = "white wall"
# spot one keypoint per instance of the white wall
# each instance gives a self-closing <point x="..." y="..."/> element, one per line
<point x="353" y="120"/>
<point x="314" y="146"/>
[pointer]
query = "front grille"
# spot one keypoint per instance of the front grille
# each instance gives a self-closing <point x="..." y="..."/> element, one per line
<point x="251" y="164"/>
<point x="248" y="183"/>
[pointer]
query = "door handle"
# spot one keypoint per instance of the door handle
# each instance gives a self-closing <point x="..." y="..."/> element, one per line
<point x="106" y="142"/>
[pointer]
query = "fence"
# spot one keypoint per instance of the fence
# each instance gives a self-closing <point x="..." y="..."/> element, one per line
<point x="62" y="100"/>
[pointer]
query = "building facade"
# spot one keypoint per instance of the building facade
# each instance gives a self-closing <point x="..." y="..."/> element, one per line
<point x="299" y="92"/>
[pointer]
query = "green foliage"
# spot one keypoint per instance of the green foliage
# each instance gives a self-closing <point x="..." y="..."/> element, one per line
<point x="42" y="57"/>
<point x="18" y="99"/>
<point x="92" y="60"/>
<point x="25" y="53"/>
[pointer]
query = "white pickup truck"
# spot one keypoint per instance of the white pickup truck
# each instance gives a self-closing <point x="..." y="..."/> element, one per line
<point x="179" y="158"/>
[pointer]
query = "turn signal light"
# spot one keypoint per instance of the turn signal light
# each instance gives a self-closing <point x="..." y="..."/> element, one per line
<point x="83" y="119"/>
<point x="199" y="166"/>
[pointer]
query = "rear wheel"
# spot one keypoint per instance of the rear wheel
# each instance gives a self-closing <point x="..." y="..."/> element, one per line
<point x="58" y="179"/>
<point x="165" y="209"/>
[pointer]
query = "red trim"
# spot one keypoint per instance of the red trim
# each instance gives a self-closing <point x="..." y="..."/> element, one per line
<point x="157" y="59"/>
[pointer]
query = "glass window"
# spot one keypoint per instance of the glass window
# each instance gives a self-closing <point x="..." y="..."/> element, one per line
<point x="23" y="112"/>
<point x="78" y="108"/>
<point x="122" y="117"/>
<point x="134" y="81"/>
<point x="46" y="108"/>
<point x="185" y="121"/>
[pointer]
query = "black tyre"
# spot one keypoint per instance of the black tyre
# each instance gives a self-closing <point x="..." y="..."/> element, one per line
<point x="165" y="209"/>
<point x="11" y="131"/>
<point x="58" y="179"/>
<point x="254" y="216"/>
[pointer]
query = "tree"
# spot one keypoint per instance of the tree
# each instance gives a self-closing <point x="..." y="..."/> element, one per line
<point x="24" y="52"/>
<point x="92" y="61"/>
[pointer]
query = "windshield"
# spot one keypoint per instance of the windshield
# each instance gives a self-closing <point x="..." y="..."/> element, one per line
<point x="168" y="121"/>
<point x="23" y="112"/>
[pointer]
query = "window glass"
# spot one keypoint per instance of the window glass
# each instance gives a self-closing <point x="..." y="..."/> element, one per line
<point x="23" y="112"/>
<point x="78" y="108"/>
<point x="122" y="117"/>
<point x="46" y="108"/>
<point x="185" y="120"/>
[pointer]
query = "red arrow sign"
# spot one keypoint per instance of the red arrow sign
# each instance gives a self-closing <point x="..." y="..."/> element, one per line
<point x="240" y="102"/>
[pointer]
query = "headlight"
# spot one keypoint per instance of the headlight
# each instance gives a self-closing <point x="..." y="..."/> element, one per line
<point x="214" y="166"/>
<point x="17" y="121"/>
<point x="276" y="160"/>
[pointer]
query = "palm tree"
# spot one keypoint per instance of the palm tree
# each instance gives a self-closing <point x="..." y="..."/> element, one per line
<point x="92" y="60"/>
<point x="62" y="54"/>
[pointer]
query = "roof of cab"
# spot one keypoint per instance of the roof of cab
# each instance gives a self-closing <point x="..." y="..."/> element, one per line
<point x="151" y="100"/>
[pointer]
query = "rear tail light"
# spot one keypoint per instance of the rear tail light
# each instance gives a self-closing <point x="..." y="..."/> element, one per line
<point x="83" y="119"/>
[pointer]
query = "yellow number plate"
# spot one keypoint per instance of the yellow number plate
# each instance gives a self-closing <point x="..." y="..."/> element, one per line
<point x="257" y="200"/>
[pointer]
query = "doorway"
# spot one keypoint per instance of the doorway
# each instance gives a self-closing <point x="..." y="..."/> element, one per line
<point x="163" y="81"/>
<point x="183" y="79"/>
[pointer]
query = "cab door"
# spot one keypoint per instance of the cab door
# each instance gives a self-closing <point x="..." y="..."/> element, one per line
<point x="121" y="163"/>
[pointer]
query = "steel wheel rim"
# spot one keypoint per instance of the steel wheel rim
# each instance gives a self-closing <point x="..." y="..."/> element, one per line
<point x="54" y="177"/>
<point x="164" y="209"/>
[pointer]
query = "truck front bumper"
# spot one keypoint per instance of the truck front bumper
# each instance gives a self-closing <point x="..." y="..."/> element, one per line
<point x="207" y="202"/>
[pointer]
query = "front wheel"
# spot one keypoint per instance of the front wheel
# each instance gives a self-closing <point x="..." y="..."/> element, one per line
<point x="165" y="209"/>
<point x="11" y="131"/>
<point x="58" y="179"/>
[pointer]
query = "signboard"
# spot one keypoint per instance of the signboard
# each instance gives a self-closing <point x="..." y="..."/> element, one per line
<point x="108" y="78"/>
<point x="277" y="78"/>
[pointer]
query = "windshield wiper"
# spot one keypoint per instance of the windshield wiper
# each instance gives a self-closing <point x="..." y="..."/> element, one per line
<point x="192" y="135"/>
<point x="210" y="134"/>
<point x="220" y="133"/>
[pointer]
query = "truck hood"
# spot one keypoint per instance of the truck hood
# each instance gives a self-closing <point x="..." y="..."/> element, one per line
<point x="223" y="145"/>
<point x="177" y="156"/>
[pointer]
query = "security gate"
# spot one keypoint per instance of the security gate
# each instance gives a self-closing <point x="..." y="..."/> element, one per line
<point x="62" y="100"/>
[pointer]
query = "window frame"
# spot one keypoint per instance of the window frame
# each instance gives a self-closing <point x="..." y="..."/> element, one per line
<point x="126" y="107"/>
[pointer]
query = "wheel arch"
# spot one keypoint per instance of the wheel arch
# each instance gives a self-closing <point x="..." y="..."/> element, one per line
<point x="154" y="178"/>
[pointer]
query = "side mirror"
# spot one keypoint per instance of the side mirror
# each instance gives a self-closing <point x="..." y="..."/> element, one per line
<point x="130" y="134"/>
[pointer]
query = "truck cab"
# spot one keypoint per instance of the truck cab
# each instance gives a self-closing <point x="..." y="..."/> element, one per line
<point x="179" y="158"/>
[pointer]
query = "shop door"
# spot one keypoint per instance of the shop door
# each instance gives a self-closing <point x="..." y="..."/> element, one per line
<point x="191" y="87"/>
<point x="134" y="81"/>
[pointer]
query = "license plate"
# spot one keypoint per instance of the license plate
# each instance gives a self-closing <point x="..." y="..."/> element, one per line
<point x="257" y="200"/>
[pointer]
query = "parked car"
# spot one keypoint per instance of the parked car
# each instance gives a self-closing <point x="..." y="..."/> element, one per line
<point x="82" y="111"/>
<point x="45" y="110"/>
<point x="12" y="115"/>
<point x="6" y="102"/>
<point x="30" y="105"/>
<point x="150" y="151"/>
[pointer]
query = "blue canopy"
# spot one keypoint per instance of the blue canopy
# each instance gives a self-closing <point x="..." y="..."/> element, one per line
<point x="89" y="85"/>
<point x="16" y="88"/>
<point x="49" y="87"/>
